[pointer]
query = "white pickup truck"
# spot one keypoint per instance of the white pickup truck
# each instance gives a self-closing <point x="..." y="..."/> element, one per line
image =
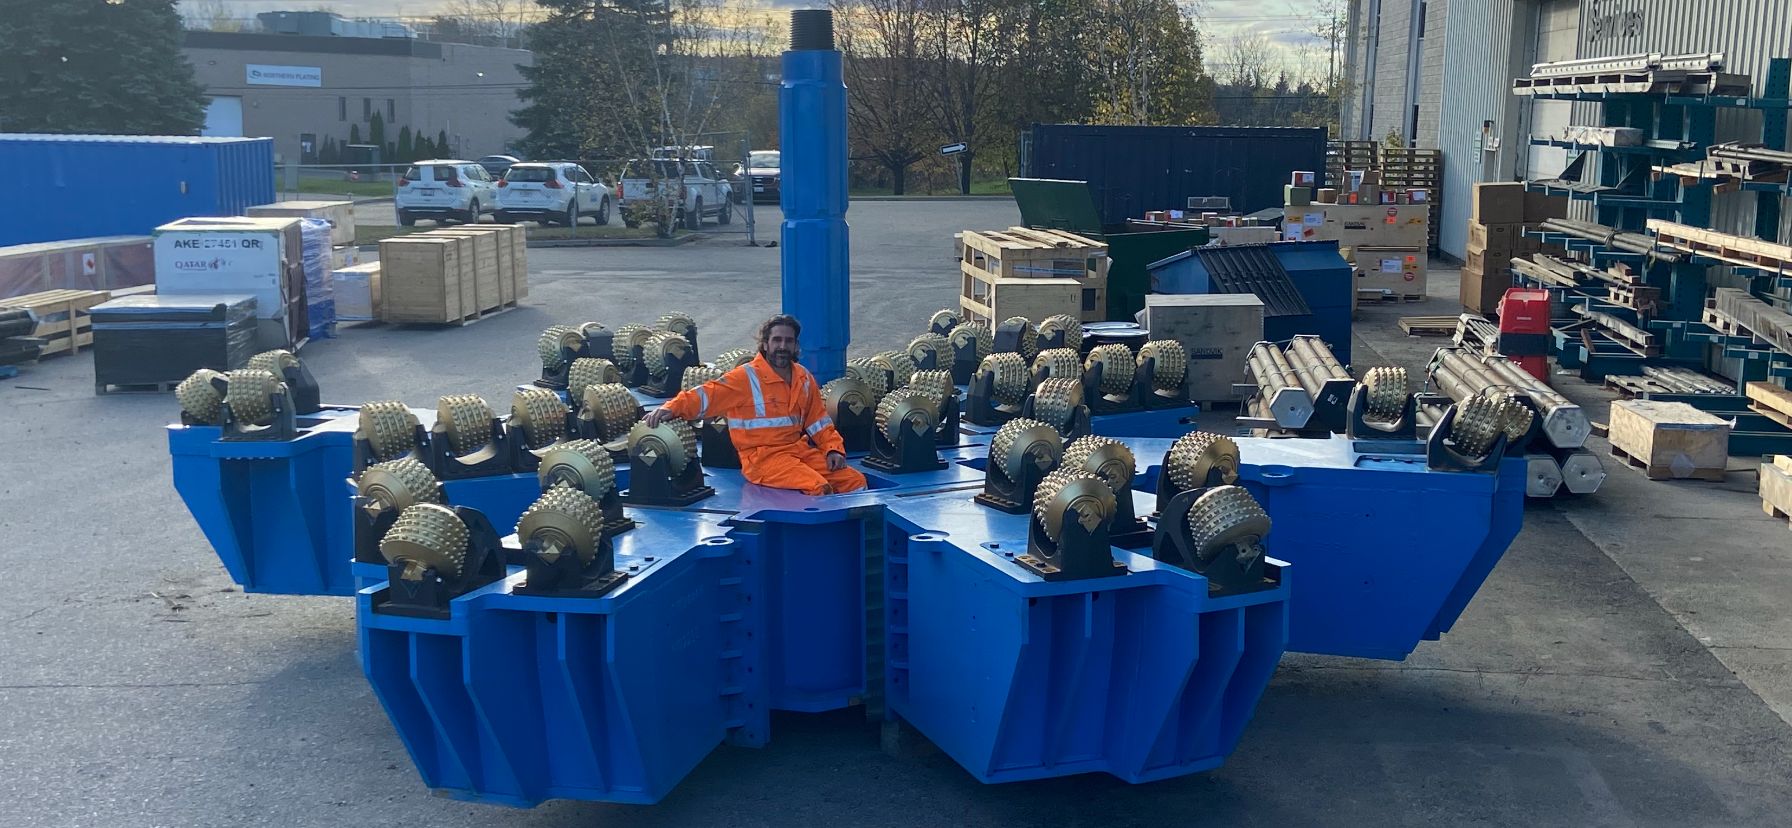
<point x="693" y="190"/>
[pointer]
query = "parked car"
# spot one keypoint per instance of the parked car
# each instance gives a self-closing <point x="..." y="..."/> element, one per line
<point x="557" y="192"/>
<point x="496" y="165"/>
<point x="444" y="190"/>
<point x="694" y="190"/>
<point x="704" y="153"/>
<point x="759" y="176"/>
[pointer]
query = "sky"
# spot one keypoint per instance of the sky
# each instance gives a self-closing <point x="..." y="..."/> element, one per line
<point x="1286" y="24"/>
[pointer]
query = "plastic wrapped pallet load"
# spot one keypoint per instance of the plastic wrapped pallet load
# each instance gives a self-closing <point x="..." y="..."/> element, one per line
<point x="320" y="302"/>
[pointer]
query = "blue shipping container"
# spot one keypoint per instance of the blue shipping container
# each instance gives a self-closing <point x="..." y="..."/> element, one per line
<point x="80" y="186"/>
<point x="1132" y="169"/>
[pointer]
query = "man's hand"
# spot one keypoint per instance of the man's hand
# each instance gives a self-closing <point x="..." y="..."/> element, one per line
<point x="657" y="416"/>
<point x="836" y="461"/>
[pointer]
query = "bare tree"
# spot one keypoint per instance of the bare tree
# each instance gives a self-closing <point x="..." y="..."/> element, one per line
<point x="886" y="70"/>
<point x="969" y="42"/>
<point x="1246" y="59"/>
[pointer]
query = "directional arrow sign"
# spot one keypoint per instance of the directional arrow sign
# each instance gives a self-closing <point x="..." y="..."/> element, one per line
<point x="953" y="149"/>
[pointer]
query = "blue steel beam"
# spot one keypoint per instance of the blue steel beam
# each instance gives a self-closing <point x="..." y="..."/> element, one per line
<point x="812" y="137"/>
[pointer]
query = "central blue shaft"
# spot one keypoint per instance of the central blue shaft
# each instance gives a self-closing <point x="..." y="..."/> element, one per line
<point x="812" y="137"/>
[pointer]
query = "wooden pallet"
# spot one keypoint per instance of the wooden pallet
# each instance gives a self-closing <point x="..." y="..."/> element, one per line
<point x="1664" y="473"/>
<point x="1429" y="325"/>
<point x="484" y="314"/>
<point x="136" y="388"/>
<point x="1636" y="297"/>
<point x="62" y="316"/>
<point x="1736" y="250"/>
<point x="1375" y="296"/>
<point x="1776" y="486"/>
<point x="1721" y="322"/>
<point x="1023" y="253"/>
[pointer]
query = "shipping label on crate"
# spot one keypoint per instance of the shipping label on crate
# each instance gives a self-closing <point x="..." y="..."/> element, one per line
<point x="234" y="262"/>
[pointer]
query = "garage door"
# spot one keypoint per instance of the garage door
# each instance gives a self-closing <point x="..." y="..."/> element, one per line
<point x="1558" y="28"/>
<point x="224" y="118"/>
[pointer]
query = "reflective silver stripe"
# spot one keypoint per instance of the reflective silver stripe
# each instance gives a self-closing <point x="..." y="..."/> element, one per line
<point x="704" y="396"/>
<point x="817" y="426"/>
<point x="761" y="422"/>
<point x="758" y="398"/>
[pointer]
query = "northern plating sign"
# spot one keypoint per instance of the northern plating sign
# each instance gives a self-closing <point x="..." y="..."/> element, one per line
<point x="263" y="75"/>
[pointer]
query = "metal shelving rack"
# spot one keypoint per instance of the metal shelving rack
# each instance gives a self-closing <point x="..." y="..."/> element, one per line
<point x="1625" y="194"/>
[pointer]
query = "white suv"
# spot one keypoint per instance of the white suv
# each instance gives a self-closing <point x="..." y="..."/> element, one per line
<point x="695" y="189"/>
<point x="444" y="190"/>
<point x="555" y="192"/>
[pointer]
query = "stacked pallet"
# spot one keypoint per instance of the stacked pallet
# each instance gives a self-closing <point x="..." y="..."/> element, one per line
<point x="61" y="315"/>
<point x="451" y="277"/>
<point x="1032" y="273"/>
<point x="1411" y="168"/>
<point x="1343" y="156"/>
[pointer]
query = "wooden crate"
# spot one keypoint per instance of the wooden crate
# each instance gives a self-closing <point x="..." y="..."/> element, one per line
<point x="357" y="289"/>
<point x="512" y="259"/>
<point x="1217" y="332"/>
<point x="420" y="279"/>
<point x="61" y="317"/>
<point x="519" y="262"/>
<point x="997" y="299"/>
<point x="1776" y="486"/>
<point x="340" y="215"/>
<point x="1019" y="252"/>
<point x="1669" y="440"/>
<point x="487" y="267"/>
<point x="1038" y="273"/>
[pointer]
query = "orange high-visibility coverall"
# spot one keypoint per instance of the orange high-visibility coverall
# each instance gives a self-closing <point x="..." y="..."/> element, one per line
<point x="781" y="429"/>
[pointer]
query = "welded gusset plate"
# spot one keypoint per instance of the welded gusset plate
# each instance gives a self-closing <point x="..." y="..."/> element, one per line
<point x="985" y="657"/>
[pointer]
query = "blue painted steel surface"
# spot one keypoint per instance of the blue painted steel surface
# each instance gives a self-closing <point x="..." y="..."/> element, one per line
<point x="274" y="511"/>
<point x="80" y="186"/>
<point x="812" y="135"/>
<point x="517" y="699"/>
<point x="1142" y="676"/>
<point x="1388" y="553"/>
<point x="279" y="514"/>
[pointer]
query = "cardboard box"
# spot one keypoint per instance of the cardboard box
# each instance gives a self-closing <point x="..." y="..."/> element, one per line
<point x="1494" y="236"/>
<point x="1327" y="195"/>
<point x="1351" y="225"/>
<point x="1217" y="331"/>
<point x="1539" y="207"/>
<point x="1396" y="270"/>
<point x="1303" y="178"/>
<point x="1480" y="292"/>
<point x="357" y="289"/>
<point x="345" y="256"/>
<point x="1497" y="202"/>
<point x="1293" y="196"/>
<point x="1418" y="195"/>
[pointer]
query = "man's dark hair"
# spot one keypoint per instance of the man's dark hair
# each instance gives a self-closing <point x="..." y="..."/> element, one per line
<point x="765" y="330"/>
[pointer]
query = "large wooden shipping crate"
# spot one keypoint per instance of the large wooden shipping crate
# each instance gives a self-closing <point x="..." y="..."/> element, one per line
<point x="1032" y="273"/>
<point x="1669" y="440"/>
<point x="486" y="268"/>
<point x="1776" y="486"/>
<point x="340" y="215"/>
<point x="511" y="279"/>
<point x="421" y="279"/>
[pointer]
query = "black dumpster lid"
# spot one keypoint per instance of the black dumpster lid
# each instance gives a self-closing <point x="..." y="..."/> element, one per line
<point x="1056" y="204"/>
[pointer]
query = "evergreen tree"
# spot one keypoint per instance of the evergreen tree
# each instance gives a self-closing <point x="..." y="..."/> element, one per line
<point x="376" y="131"/>
<point x="91" y="66"/>
<point x="354" y="133"/>
<point x="442" y="148"/>
<point x="589" y="57"/>
<point x="407" y="148"/>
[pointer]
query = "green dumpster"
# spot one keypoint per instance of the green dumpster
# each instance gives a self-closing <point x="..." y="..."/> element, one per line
<point x="1050" y="204"/>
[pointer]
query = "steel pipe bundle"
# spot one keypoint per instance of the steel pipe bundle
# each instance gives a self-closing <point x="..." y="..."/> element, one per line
<point x="1314" y="364"/>
<point x="1279" y="386"/>
<point x="1618" y="239"/>
<point x="1459" y="375"/>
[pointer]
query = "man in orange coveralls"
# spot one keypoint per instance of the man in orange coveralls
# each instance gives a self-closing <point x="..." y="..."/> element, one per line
<point x="775" y="417"/>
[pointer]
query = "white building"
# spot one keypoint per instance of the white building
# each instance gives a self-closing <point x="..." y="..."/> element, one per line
<point x="1439" y="73"/>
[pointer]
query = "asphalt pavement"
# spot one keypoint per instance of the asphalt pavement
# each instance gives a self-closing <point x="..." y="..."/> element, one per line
<point x="1622" y="666"/>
